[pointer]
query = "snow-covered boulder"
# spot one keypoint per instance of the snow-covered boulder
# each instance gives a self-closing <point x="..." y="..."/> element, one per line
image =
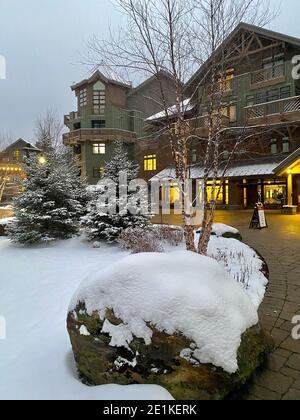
<point x="175" y="319"/>
<point x="225" y="231"/>
<point x="4" y="223"/>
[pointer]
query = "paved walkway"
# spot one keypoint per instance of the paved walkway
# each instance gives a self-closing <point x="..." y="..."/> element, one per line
<point x="280" y="246"/>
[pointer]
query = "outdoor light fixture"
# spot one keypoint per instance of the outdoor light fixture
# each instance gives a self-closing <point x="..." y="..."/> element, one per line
<point x="42" y="160"/>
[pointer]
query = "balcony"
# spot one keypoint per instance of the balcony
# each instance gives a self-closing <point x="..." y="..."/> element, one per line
<point x="268" y="77"/>
<point x="96" y="134"/>
<point x="283" y="110"/>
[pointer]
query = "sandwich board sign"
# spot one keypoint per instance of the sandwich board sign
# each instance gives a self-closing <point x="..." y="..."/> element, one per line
<point x="259" y="220"/>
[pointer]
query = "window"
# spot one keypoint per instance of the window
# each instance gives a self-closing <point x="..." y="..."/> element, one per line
<point x="285" y="92"/>
<point x="83" y="98"/>
<point x="17" y="154"/>
<point x="225" y="82"/>
<point x="98" y="123"/>
<point x="221" y="196"/>
<point x="99" y="148"/>
<point x="150" y="163"/>
<point x="99" y="98"/>
<point x="232" y="113"/>
<point x="274" y="194"/>
<point x="250" y="100"/>
<point x="285" y="145"/>
<point x="274" y="148"/>
<point x="77" y="126"/>
<point x="98" y="172"/>
<point x="194" y="156"/>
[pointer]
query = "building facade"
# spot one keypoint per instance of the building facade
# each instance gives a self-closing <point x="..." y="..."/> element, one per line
<point x="262" y="97"/>
<point x="11" y="160"/>
<point x="108" y="110"/>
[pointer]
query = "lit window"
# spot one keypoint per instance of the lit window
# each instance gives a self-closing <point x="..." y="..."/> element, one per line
<point x="225" y="82"/>
<point x="99" y="148"/>
<point x="83" y="98"/>
<point x="98" y="172"/>
<point x="285" y="145"/>
<point x="17" y="154"/>
<point x="150" y="163"/>
<point x="218" y="193"/>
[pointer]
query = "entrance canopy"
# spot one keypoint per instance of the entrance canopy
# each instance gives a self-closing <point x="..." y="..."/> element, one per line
<point x="290" y="165"/>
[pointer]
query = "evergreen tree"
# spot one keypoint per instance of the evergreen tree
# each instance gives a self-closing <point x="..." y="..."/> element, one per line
<point x="107" y="219"/>
<point x="52" y="200"/>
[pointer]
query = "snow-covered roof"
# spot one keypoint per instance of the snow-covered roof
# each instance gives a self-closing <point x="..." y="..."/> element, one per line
<point x="238" y="169"/>
<point x="187" y="106"/>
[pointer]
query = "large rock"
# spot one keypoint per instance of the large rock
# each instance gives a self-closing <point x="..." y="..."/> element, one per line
<point x="160" y="362"/>
<point x="177" y="319"/>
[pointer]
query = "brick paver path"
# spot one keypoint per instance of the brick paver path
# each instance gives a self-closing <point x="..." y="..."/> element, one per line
<point x="280" y="246"/>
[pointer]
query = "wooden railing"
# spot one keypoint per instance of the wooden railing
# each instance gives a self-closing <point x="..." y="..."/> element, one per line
<point x="265" y="75"/>
<point x="280" y="107"/>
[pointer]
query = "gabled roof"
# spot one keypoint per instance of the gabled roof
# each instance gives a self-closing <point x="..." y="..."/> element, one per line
<point x="288" y="161"/>
<point x="24" y="144"/>
<point x="100" y="76"/>
<point x="149" y="81"/>
<point x="249" y="28"/>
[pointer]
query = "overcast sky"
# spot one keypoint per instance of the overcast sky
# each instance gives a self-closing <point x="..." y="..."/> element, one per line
<point x="43" y="42"/>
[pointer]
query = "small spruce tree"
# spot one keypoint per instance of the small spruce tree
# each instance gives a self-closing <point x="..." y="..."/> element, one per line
<point x="102" y="224"/>
<point x="52" y="200"/>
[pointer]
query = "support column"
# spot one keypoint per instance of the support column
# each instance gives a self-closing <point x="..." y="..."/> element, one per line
<point x="290" y="190"/>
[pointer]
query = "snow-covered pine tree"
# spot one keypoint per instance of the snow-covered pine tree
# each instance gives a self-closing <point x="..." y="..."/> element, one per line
<point x="99" y="223"/>
<point x="52" y="201"/>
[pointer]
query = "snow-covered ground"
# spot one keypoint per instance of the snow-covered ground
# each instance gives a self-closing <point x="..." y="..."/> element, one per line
<point x="36" y="286"/>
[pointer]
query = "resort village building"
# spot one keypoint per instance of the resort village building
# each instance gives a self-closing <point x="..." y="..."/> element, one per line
<point x="11" y="159"/>
<point x="262" y="98"/>
<point x="108" y="110"/>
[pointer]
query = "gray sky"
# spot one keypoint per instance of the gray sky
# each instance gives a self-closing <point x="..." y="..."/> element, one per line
<point x="43" y="41"/>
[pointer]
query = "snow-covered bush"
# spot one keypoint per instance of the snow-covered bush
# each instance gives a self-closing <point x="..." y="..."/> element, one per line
<point x="52" y="201"/>
<point x="172" y="235"/>
<point x="102" y="223"/>
<point x="138" y="241"/>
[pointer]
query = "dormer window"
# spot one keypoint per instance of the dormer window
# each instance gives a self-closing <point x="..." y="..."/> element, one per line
<point x="83" y="97"/>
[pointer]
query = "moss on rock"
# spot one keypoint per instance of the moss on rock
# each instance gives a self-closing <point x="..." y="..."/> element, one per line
<point x="159" y="363"/>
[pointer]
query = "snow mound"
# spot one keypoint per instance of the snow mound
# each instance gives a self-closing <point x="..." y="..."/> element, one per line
<point x="178" y="292"/>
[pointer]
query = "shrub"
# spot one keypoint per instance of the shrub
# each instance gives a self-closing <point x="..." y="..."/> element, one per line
<point x="171" y="235"/>
<point x="139" y="240"/>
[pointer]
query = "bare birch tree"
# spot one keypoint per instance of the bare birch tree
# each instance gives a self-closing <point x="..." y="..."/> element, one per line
<point x="177" y="37"/>
<point x="48" y="131"/>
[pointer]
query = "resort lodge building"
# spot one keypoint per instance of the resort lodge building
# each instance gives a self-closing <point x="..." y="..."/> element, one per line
<point x="108" y="110"/>
<point x="262" y="97"/>
<point x="11" y="159"/>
